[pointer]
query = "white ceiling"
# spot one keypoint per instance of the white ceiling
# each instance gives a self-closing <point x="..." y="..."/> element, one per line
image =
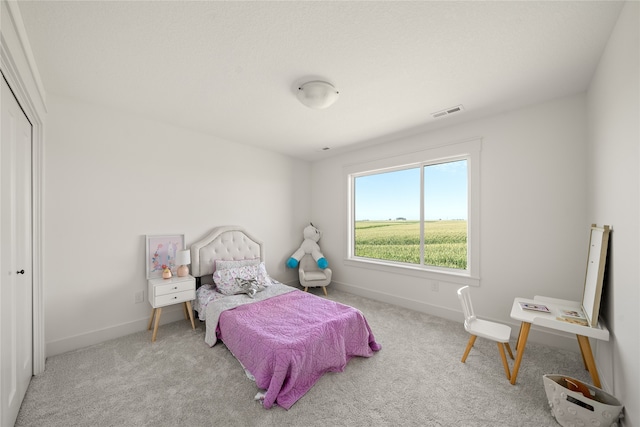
<point x="231" y="69"/>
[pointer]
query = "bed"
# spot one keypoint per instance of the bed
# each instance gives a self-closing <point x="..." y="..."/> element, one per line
<point x="284" y="338"/>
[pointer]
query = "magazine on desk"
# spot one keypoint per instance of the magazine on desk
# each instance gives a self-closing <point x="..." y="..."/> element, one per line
<point x="534" y="307"/>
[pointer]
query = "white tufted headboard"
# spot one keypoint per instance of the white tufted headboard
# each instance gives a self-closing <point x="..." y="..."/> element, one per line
<point x="229" y="242"/>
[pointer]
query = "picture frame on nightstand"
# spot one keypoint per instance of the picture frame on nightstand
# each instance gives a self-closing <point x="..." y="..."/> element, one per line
<point x="161" y="250"/>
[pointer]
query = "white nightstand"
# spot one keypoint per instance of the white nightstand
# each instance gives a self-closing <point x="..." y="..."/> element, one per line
<point x="164" y="292"/>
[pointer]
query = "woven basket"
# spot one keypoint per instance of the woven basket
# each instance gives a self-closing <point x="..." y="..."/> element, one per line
<point x="574" y="409"/>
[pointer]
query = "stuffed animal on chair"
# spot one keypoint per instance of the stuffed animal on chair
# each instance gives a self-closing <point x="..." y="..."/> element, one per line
<point x="309" y="246"/>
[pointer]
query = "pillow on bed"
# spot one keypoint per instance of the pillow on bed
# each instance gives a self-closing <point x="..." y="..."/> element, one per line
<point x="225" y="264"/>
<point x="225" y="280"/>
<point x="262" y="272"/>
<point x="249" y="287"/>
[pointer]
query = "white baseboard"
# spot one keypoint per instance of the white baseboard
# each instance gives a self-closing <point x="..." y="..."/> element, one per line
<point x="76" y="342"/>
<point x="538" y="335"/>
<point x="543" y="336"/>
<point x="422" y="307"/>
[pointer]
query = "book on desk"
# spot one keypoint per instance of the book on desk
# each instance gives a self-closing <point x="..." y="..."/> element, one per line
<point x="572" y="315"/>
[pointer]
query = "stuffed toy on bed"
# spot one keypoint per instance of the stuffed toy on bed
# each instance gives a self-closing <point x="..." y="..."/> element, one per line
<point x="309" y="246"/>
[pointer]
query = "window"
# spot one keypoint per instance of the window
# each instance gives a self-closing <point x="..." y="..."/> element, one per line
<point x="380" y="232"/>
<point x="418" y="216"/>
<point x="445" y="214"/>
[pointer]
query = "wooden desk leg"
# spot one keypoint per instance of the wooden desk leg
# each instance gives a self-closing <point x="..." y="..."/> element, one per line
<point x="155" y="328"/>
<point x="504" y="360"/>
<point x="519" y="333"/>
<point x="584" y="360"/>
<point x="190" y="310"/>
<point x="587" y="356"/>
<point x="153" y="312"/>
<point x="522" y="342"/>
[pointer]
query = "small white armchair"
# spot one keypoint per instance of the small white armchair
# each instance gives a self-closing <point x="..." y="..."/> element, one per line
<point x="483" y="328"/>
<point x="311" y="275"/>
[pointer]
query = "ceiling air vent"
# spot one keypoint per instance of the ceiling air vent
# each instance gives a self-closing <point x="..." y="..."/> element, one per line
<point x="448" y="111"/>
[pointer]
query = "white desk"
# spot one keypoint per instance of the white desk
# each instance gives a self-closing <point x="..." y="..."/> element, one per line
<point x="548" y="320"/>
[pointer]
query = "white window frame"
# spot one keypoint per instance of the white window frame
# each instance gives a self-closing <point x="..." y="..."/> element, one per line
<point x="469" y="150"/>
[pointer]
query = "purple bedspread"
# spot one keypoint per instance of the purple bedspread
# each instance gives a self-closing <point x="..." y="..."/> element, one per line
<point x="289" y="341"/>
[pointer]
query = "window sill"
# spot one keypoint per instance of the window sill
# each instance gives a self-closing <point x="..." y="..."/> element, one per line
<point x="415" y="271"/>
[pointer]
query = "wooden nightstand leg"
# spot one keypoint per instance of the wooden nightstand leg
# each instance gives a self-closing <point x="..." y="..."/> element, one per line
<point x="153" y="311"/>
<point x="155" y="328"/>
<point x="190" y="310"/>
<point x="184" y="309"/>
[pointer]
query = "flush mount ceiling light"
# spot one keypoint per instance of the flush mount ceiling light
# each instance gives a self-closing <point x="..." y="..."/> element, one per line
<point x="317" y="94"/>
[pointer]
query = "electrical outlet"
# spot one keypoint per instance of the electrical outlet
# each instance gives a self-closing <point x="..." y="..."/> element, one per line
<point x="138" y="297"/>
<point x="435" y="286"/>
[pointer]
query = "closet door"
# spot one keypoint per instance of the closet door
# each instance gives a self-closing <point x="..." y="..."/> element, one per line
<point x="16" y="286"/>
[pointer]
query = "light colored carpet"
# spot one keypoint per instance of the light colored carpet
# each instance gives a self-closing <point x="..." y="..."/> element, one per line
<point x="416" y="379"/>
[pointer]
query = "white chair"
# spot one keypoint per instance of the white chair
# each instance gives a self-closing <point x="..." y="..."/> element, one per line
<point x="483" y="328"/>
<point x="311" y="275"/>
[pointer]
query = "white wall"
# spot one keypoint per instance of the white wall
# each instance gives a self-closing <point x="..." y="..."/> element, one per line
<point x="533" y="225"/>
<point x="614" y="186"/>
<point x="111" y="178"/>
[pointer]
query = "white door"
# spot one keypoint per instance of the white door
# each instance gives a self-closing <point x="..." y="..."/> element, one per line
<point x="16" y="298"/>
